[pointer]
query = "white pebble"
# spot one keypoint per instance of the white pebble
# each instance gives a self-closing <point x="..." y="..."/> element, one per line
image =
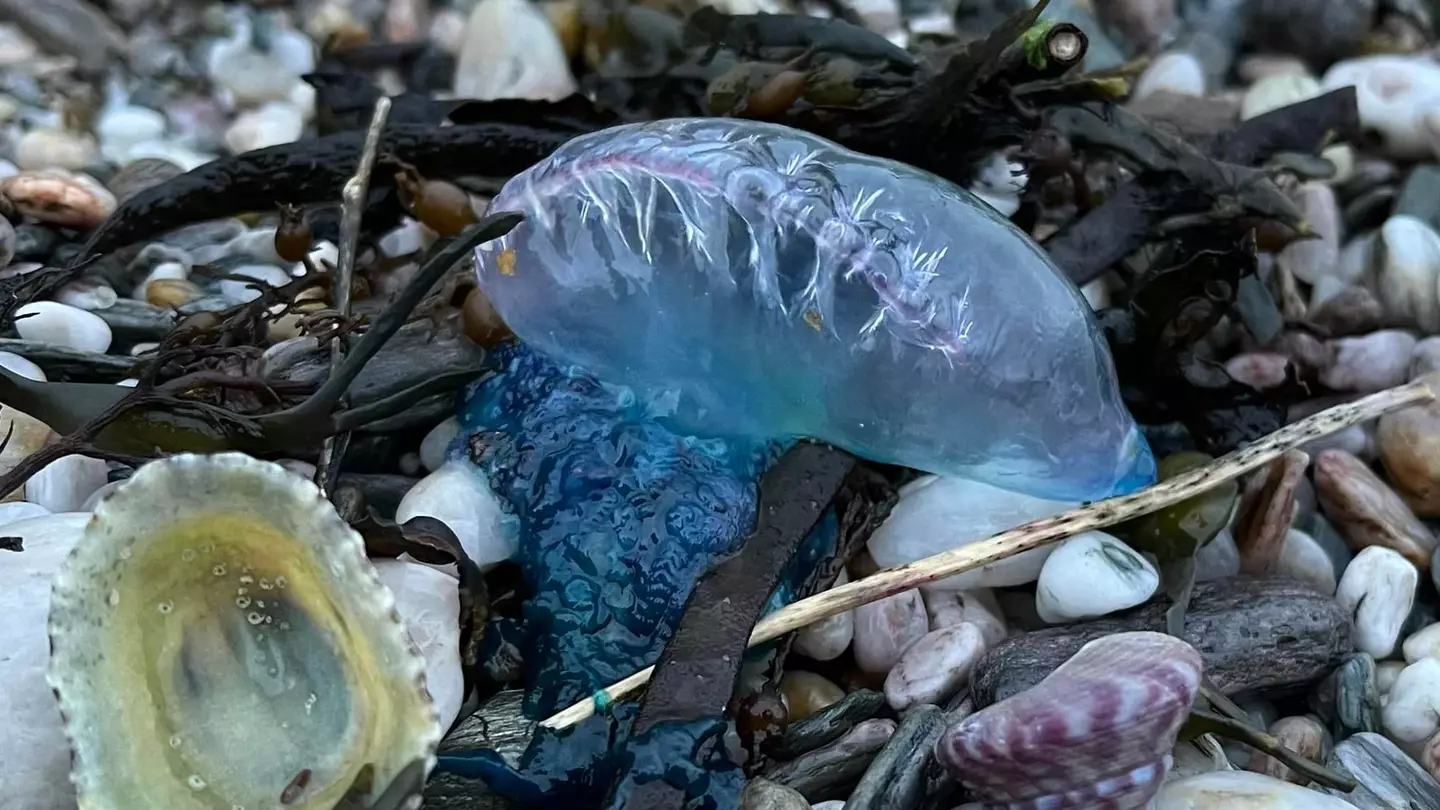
<point x="19" y="365"/>
<point x="1302" y="558"/>
<point x="1409" y="267"/>
<point x="1393" y="94"/>
<point x="936" y="514"/>
<point x="66" y="483"/>
<point x="1370" y="362"/>
<point x="886" y="628"/>
<point x="429" y="603"/>
<point x="826" y="639"/>
<point x="128" y="382"/>
<point x="1385" y="674"/>
<point x="1313" y="259"/>
<point x="166" y="271"/>
<point x="87" y="295"/>
<point x="934" y="667"/>
<point x="61" y="325"/>
<point x="241" y="291"/>
<point x="435" y="443"/>
<point x="121" y="128"/>
<point x="1274" y="92"/>
<point x="1378" y="589"/>
<point x="457" y="495"/>
<point x="272" y="124"/>
<point x="978" y="607"/>
<point x="55" y="149"/>
<point x="1423" y="643"/>
<point x="1218" y="559"/>
<point x="1412" y="714"/>
<point x="16" y="511"/>
<point x="1179" y="72"/>
<point x="1092" y="574"/>
<point x="34" y="748"/>
<point x="510" y="50"/>
<point x="1242" y="790"/>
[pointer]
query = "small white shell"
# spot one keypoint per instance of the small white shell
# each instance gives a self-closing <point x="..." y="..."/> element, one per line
<point x="218" y="631"/>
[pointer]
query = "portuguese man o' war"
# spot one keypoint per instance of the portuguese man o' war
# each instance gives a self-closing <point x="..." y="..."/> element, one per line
<point x="756" y="281"/>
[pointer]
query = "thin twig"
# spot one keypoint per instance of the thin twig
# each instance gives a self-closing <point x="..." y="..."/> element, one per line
<point x="1215" y="723"/>
<point x="352" y="211"/>
<point x="1042" y="532"/>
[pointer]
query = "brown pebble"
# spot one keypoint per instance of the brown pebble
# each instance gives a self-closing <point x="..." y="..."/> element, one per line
<point x="59" y="198"/>
<point x="806" y="693"/>
<point x="1409" y="445"/>
<point x="1263" y="519"/>
<point x="1352" y="311"/>
<point x="1303" y="735"/>
<point x="1430" y="757"/>
<point x="1303" y="349"/>
<point x="776" y="95"/>
<point x="171" y="292"/>
<point x="1366" y="511"/>
<point x="480" y="322"/>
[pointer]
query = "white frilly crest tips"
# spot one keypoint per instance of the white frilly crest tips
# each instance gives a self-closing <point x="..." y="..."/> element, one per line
<point x="217" y="631"/>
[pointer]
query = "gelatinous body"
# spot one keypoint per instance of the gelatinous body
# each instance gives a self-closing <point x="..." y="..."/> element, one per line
<point x="760" y="282"/>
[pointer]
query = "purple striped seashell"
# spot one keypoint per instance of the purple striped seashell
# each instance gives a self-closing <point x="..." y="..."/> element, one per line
<point x="1095" y="734"/>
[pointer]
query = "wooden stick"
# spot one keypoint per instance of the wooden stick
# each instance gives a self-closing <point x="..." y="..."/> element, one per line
<point x="1040" y="532"/>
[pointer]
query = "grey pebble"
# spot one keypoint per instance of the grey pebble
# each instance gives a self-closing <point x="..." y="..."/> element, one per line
<point x="830" y="723"/>
<point x="831" y="772"/>
<point x="897" y="776"/>
<point x="1389" y="780"/>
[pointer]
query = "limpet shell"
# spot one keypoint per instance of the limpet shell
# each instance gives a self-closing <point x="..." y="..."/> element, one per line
<point x="1096" y="733"/>
<point x="219" y="638"/>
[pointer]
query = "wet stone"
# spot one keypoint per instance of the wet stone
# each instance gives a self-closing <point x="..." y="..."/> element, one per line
<point x="825" y="727"/>
<point x="762" y="794"/>
<point x="34" y="243"/>
<point x="830" y="772"/>
<point x="896" y="777"/>
<point x="1255" y="636"/>
<point x="1389" y="780"/>
<point x="1349" y="698"/>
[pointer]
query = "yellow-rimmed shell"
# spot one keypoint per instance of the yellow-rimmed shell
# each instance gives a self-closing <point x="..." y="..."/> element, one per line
<point x="220" y="639"/>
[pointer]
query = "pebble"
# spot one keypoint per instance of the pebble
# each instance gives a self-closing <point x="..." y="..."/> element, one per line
<point x="1408" y="442"/>
<point x="1366" y="511"/>
<point x="1408" y="268"/>
<point x="58" y="198"/>
<point x="87" y="294"/>
<point x="1303" y="735"/>
<point x="762" y="794"/>
<point x="27" y="435"/>
<point x="19" y="365"/>
<point x="936" y="514"/>
<point x="437" y="441"/>
<point x="34" y="748"/>
<point x="1426" y="358"/>
<point x="1389" y="780"/>
<point x="271" y="124"/>
<point x="240" y="291"/>
<point x="527" y="62"/>
<point x="1302" y="558"/>
<point x="1411" y="714"/>
<point x="121" y="127"/>
<point x="885" y="629"/>
<point x="829" y="725"/>
<point x="828" y="638"/>
<point x="1313" y="259"/>
<point x="1424" y="643"/>
<point x="55" y="149"/>
<point x="61" y="325"/>
<point x="1176" y="72"/>
<point x="1350" y="696"/>
<point x="65" y="484"/>
<point x="1370" y="362"/>
<point x="1260" y="370"/>
<point x="1218" y="559"/>
<point x="978" y="607"/>
<point x="428" y="601"/>
<point x="1394" y="94"/>
<point x="898" y="777"/>
<point x="1255" y="636"/>
<point x="1275" y="91"/>
<point x="935" y="667"/>
<point x="1378" y="589"/>
<point x="16" y="511"/>
<point x="458" y="497"/>
<point x="806" y="693"/>
<point x="1092" y="574"/>
<point x="1385" y="674"/>
<point x="137" y="175"/>
<point x="830" y="771"/>
<point x="1353" y="310"/>
<point x="1232" y="790"/>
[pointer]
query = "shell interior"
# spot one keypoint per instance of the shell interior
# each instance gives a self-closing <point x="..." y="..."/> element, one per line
<point x="220" y="639"/>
